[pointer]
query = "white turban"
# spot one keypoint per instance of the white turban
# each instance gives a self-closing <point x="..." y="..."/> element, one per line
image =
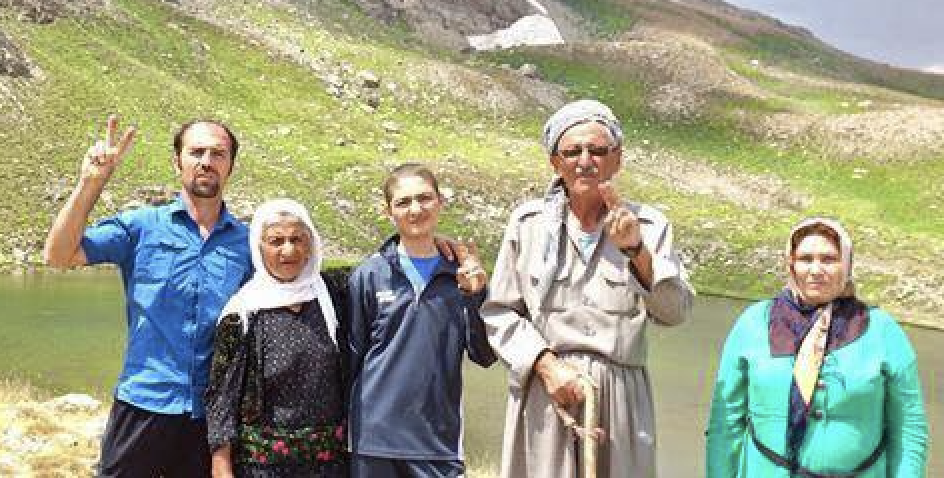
<point x="577" y="112"/>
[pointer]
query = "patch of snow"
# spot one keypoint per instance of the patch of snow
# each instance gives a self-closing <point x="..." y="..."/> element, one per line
<point x="527" y="30"/>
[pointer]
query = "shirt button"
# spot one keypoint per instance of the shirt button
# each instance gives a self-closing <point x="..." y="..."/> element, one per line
<point x="587" y="330"/>
<point x="817" y="414"/>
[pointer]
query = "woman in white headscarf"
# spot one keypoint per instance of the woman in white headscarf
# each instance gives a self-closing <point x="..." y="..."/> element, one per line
<point x="277" y="396"/>
<point x="814" y="383"/>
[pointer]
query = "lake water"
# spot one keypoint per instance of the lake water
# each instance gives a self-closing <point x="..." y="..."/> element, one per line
<point x="65" y="332"/>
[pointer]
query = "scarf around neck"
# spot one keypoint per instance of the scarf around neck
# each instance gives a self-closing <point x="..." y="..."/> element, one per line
<point x="554" y="216"/>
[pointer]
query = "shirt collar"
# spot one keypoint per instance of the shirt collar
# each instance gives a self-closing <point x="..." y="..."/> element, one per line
<point x="388" y="250"/>
<point x="226" y="218"/>
<point x="177" y="206"/>
<point x="586" y="242"/>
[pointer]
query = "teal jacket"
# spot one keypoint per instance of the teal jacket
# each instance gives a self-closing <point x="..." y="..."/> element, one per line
<point x="867" y="386"/>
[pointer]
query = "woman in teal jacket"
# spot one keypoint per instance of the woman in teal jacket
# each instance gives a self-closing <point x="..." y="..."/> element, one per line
<point x="814" y="383"/>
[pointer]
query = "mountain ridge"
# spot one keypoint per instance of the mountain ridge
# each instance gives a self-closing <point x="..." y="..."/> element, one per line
<point x="734" y="140"/>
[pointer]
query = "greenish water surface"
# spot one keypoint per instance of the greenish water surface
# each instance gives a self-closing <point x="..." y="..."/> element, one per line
<point x="66" y="332"/>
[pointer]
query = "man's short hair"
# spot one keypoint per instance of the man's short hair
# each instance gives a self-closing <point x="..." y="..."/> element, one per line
<point x="179" y="136"/>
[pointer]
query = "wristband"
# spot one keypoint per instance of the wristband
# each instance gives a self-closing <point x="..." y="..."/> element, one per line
<point x="633" y="251"/>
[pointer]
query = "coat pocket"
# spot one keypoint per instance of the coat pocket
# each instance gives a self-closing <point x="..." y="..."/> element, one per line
<point x="614" y="292"/>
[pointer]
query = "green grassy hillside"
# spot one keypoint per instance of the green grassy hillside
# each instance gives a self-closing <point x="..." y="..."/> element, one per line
<point x="157" y="68"/>
<point x="315" y="125"/>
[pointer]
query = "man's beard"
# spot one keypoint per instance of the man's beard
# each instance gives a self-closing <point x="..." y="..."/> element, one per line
<point x="203" y="189"/>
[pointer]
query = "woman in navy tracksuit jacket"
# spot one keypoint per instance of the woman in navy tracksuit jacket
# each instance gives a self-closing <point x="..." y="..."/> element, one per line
<point x="413" y="316"/>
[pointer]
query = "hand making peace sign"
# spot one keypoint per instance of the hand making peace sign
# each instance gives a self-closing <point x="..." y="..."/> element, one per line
<point x="104" y="156"/>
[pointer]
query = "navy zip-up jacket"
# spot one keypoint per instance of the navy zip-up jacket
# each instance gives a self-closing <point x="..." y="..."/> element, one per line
<point x="406" y="359"/>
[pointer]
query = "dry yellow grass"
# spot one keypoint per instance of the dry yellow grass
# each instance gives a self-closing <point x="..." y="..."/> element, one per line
<point x="482" y="473"/>
<point x="40" y="439"/>
<point x="14" y="391"/>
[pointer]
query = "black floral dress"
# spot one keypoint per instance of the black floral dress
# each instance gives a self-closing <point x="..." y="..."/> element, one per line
<point x="278" y="393"/>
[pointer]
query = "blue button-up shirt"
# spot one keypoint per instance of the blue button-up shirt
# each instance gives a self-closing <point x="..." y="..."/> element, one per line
<point x="176" y="284"/>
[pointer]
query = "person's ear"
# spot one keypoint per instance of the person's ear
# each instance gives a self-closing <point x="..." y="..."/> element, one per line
<point x="177" y="165"/>
<point x="555" y="160"/>
<point x="617" y="155"/>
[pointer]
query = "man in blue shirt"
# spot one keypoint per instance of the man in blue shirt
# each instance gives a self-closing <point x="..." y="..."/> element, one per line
<point x="180" y="263"/>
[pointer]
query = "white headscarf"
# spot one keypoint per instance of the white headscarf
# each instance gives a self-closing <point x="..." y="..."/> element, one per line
<point x="263" y="291"/>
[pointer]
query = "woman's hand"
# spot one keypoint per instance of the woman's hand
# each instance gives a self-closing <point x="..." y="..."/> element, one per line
<point x="221" y="462"/>
<point x="471" y="276"/>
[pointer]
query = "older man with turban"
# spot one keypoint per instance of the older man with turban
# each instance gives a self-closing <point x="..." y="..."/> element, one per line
<point x="579" y="275"/>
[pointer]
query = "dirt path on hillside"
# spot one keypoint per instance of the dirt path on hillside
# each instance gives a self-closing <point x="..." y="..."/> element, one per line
<point x="897" y="133"/>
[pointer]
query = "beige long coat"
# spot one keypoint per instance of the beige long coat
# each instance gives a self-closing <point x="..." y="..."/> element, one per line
<point x="595" y="316"/>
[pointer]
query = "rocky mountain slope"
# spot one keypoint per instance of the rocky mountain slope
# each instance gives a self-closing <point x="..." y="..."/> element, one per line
<point x="737" y="125"/>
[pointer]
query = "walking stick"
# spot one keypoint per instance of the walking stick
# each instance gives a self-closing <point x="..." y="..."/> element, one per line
<point x="591" y="424"/>
<point x="589" y="430"/>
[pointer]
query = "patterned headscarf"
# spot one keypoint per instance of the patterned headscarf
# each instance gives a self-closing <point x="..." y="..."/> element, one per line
<point x="263" y="291"/>
<point x="845" y="254"/>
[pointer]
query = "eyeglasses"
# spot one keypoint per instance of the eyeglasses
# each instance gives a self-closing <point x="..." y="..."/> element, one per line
<point x="424" y="200"/>
<point x="577" y="151"/>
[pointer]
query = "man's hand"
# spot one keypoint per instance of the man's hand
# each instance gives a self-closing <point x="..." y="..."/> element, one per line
<point x="561" y="380"/>
<point x="623" y="228"/>
<point x="620" y="224"/>
<point x="63" y="243"/>
<point x="471" y="276"/>
<point x="105" y="155"/>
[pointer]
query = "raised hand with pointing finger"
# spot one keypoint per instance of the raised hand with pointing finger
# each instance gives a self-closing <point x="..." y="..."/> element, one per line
<point x="623" y="228"/>
<point x="105" y="155"/>
<point x="621" y="224"/>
